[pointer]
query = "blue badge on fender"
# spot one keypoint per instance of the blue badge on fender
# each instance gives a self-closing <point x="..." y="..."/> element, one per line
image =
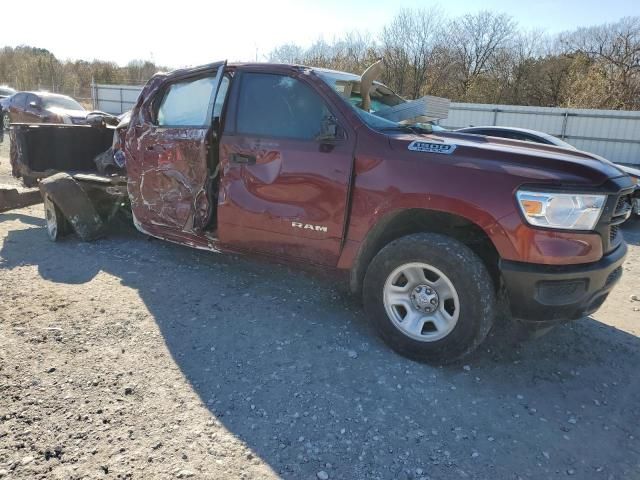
<point x="418" y="146"/>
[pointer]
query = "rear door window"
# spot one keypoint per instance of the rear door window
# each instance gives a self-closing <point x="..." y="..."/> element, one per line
<point x="279" y="106"/>
<point x="32" y="98"/>
<point x="186" y="104"/>
<point x="19" y="100"/>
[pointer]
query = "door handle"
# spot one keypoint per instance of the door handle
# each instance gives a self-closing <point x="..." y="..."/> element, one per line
<point x="242" y="159"/>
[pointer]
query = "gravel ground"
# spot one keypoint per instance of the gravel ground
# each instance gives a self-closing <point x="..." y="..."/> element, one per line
<point x="130" y="358"/>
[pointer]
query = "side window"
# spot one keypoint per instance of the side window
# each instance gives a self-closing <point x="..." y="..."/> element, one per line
<point x="19" y="100"/>
<point x="503" y="134"/>
<point x="279" y="106"/>
<point x="187" y="103"/>
<point x="31" y="98"/>
<point x="534" y="139"/>
<point x="222" y="94"/>
<point x="481" y="132"/>
<point x="522" y="137"/>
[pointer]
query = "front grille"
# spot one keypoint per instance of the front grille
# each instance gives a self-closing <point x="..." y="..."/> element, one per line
<point x="623" y="206"/>
<point x="620" y="212"/>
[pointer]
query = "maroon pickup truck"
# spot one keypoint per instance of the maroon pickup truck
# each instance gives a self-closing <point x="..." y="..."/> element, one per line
<point x="433" y="229"/>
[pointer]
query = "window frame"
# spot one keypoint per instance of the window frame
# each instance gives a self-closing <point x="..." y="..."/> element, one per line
<point x="238" y="91"/>
<point x="162" y="95"/>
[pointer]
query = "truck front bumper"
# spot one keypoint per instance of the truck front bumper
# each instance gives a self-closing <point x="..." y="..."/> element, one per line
<point x="548" y="294"/>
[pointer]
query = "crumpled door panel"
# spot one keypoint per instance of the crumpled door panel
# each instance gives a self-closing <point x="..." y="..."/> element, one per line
<point x="171" y="177"/>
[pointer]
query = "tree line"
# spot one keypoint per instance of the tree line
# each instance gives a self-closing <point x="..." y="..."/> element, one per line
<point x="30" y="68"/>
<point x="486" y="58"/>
<point x="481" y="57"/>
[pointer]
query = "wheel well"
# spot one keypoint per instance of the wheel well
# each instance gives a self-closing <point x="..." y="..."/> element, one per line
<point x="418" y="220"/>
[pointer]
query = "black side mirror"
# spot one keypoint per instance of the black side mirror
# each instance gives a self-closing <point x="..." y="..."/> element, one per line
<point x="34" y="105"/>
<point x="329" y="130"/>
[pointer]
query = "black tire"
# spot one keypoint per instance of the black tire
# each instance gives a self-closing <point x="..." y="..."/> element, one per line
<point x="474" y="289"/>
<point x="57" y="225"/>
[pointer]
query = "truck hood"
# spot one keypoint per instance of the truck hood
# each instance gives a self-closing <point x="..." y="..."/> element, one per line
<point x="532" y="161"/>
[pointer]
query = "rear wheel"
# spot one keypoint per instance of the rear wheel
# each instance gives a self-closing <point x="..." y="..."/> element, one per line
<point x="57" y="226"/>
<point x="430" y="297"/>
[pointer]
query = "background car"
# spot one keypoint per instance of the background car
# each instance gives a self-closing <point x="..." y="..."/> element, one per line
<point x="522" y="134"/>
<point x="42" y="107"/>
<point x="6" y="92"/>
<point x="526" y="135"/>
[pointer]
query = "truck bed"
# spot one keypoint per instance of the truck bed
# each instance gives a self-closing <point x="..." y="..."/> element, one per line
<point x="39" y="150"/>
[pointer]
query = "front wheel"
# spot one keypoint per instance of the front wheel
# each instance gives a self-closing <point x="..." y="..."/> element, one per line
<point x="430" y="297"/>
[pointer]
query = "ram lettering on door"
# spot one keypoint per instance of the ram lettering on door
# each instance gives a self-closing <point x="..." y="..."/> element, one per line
<point x="308" y="226"/>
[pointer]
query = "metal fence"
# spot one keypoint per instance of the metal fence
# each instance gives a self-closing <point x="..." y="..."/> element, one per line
<point x="114" y="99"/>
<point x="613" y="134"/>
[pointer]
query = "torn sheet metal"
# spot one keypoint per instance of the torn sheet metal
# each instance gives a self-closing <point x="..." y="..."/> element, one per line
<point x="425" y="109"/>
<point x="75" y="204"/>
<point x="169" y="178"/>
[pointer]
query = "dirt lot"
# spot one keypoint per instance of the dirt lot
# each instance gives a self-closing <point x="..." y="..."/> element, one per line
<point x="130" y="358"/>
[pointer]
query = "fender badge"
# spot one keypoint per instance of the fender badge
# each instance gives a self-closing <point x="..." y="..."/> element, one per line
<point x="417" y="146"/>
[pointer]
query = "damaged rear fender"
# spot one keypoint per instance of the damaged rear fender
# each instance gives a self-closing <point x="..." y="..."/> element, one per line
<point x="75" y="205"/>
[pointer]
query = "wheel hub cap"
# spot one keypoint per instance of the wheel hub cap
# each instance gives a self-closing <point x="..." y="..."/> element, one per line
<point x="421" y="301"/>
<point x="425" y="299"/>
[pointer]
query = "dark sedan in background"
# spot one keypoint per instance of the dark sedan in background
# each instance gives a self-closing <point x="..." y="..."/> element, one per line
<point x="41" y="107"/>
<point x="526" y="135"/>
<point x="5" y="92"/>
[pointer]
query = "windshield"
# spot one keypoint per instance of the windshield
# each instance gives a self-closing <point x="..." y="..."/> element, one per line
<point x="61" y="102"/>
<point x="382" y="97"/>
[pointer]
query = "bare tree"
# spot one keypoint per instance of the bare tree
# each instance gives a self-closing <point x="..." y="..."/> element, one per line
<point x="409" y="45"/>
<point x="288" y="53"/>
<point x="614" y="50"/>
<point x="475" y="40"/>
<point x="479" y="57"/>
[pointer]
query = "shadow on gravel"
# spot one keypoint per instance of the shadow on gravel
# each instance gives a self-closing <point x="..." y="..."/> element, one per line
<point x="289" y="365"/>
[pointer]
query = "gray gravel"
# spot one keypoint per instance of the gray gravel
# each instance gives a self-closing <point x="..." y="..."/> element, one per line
<point x="130" y="358"/>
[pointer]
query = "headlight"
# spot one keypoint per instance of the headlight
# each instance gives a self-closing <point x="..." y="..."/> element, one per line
<point x="561" y="210"/>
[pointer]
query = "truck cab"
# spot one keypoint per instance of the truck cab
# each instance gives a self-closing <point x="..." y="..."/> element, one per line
<point x="432" y="229"/>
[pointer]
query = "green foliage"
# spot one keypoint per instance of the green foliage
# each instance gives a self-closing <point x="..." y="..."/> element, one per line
<point x="31" y="68"/>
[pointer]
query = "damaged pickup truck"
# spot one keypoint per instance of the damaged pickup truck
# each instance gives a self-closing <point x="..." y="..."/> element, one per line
<point x="313" y="166"/>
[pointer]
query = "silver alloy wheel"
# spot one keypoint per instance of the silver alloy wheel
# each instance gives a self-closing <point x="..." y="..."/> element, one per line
<point x="421" y="302"/>
<point x="51" y="216"/>
<point x="6" y="121"/>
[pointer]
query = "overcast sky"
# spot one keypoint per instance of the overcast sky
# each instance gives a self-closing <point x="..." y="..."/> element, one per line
<point x="186" y="32"/>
